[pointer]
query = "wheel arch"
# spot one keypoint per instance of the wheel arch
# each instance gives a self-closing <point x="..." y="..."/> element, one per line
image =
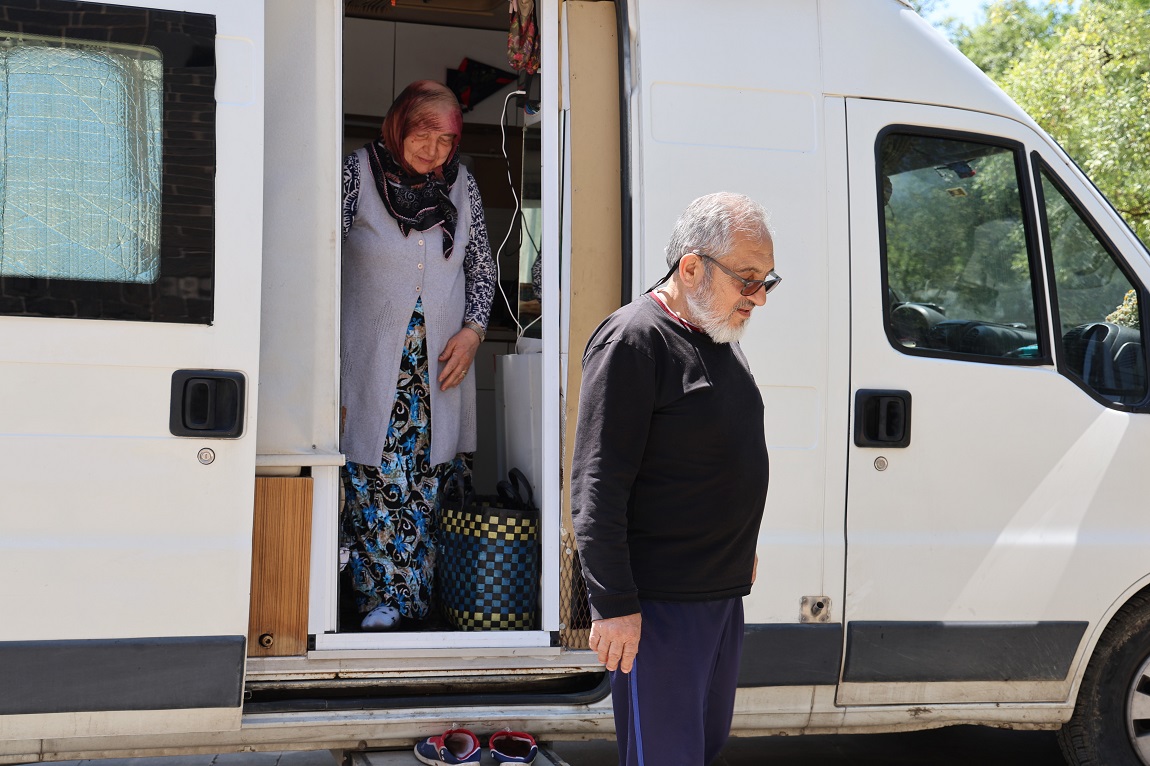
<point x="1086" y="652"/>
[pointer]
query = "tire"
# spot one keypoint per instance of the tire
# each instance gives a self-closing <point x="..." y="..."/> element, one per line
<point x="1107" y="728"/>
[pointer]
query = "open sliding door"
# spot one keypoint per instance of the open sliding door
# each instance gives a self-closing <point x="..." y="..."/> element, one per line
<point x="130" y="250"/>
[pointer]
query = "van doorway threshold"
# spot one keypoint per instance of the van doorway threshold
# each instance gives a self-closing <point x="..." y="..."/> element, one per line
<point x="493" y="639"/>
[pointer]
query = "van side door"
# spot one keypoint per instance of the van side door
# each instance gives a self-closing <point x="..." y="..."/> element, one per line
<point x="130" y="252"/>
<point x="998" y="394"/>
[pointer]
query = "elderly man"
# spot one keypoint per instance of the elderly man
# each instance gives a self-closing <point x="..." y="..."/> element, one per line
<point x="669" y="481"/>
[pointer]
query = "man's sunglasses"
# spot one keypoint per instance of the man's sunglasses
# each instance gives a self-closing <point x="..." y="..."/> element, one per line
<point x="750" y="286"/>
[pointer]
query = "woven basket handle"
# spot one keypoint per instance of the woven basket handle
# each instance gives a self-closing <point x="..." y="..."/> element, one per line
<point x="521" y="485"/>
<point x="455" y="484"/>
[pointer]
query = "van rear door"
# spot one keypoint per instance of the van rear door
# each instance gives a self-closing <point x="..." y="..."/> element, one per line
<point x="130" y="253"/>
<point x="997" y="394"/>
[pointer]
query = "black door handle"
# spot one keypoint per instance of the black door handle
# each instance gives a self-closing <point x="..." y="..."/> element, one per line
<point x="207" y="403"/>
<point x="200" y="404"/>
<point x="882" y="418"/>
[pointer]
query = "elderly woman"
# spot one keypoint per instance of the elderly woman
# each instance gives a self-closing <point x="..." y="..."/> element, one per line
<point x="418" y="279"/>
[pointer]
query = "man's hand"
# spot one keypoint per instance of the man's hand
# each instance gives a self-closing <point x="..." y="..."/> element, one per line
<point x="616" y="640"/>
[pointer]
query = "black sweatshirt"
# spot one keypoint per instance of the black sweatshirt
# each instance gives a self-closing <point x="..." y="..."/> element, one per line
<point x="669" y="472"/>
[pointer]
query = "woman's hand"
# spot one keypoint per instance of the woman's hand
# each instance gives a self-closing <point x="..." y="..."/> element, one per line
<point x="456" y="358"/>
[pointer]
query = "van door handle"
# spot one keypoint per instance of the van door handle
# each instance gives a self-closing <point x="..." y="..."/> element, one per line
<point x="882" y="418"/>
<point x="207" y="404"/>
<point x="200" y="404"/>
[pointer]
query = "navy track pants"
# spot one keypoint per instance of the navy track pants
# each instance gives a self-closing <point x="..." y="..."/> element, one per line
<point x="675" y="706"/>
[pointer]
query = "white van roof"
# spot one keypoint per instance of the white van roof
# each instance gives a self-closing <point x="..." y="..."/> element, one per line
<point x="885" y="50"/>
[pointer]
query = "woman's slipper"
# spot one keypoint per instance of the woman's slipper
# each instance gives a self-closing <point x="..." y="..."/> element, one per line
<point x="381" y="618"/>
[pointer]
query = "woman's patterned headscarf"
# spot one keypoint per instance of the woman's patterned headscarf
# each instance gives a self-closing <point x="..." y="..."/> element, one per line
<point x="418" y="201"/>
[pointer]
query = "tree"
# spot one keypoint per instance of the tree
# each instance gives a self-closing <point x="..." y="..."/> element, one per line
<point x="949" y="25"/>
<point x="1089" y="87"/>
<point x="1011" y="28"/>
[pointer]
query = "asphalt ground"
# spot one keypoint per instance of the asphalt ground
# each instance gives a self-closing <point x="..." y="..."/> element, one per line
<point x="951" y="746"/>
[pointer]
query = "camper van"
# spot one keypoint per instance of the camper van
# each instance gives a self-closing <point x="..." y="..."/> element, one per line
<point x="954" y="373"/>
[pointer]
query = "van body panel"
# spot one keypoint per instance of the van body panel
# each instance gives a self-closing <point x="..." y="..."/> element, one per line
<point x="791" y="654"/>
<point x="887" y="51"/>
<point x="772" y="59"/>
<point x="838" y="309"/>
<point x="185" y="673"/>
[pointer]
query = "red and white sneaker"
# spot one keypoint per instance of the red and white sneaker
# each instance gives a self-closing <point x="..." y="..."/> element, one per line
<point x="513" y="747"/>
<point x="453" y="747"/>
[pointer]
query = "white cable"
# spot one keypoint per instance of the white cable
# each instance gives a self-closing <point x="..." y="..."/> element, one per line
<point x="514" y="216"/>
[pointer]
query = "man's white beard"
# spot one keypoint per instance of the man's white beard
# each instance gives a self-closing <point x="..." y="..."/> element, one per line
<point x="714" y="322"/>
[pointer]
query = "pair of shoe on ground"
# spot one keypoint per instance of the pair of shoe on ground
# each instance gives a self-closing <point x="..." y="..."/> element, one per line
<point x="460" y="746"/>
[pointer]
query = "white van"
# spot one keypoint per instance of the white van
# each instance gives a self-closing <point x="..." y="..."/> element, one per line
<point x="169" y="270"/>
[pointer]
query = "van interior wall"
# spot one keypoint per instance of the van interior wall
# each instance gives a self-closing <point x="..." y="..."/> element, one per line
<point x="379" y="59"/>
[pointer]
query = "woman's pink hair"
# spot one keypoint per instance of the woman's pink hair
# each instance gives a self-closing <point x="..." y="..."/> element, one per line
<point x="425" y="104"/>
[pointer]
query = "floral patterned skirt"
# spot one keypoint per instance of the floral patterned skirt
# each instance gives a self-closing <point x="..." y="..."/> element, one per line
<point x="390" y="514"/>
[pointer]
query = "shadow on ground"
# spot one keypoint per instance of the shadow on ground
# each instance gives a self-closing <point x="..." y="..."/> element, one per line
<point x="951" y="746"/>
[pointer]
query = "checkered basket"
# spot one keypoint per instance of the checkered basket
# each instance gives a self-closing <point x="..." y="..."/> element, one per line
<point x="488" y="569"/>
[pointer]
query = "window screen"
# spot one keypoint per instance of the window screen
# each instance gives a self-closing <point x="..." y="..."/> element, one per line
<point x="107" y="128"/>
<point x="80" y="187"/>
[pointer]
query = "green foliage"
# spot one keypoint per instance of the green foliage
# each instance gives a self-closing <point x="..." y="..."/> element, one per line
<point x="1089" y="87"/>
<point x="1011" y="27"/>
<point x="1127" y="313"/>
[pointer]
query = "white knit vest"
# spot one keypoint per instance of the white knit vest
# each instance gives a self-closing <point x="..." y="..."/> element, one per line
<point x="384" y="273"/>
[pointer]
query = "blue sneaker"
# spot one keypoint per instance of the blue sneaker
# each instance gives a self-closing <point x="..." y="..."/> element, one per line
<point x="513" y="747"/>
<point x="454" y="746"/>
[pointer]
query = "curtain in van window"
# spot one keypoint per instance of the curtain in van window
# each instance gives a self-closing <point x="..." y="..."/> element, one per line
<point x="80" y="186"/>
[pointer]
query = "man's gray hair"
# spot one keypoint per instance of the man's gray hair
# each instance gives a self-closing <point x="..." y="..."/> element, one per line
<point x="710" y="225"/>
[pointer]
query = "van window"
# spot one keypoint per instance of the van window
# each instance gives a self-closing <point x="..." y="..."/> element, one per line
<point x="1100" y="332"/>
<point x="107" y="191"/>
<point x="80" y="127"/>
<point x="958" y="267"/>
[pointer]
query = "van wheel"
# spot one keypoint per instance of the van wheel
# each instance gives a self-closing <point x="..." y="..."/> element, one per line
<point x="1111" y="721"/>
